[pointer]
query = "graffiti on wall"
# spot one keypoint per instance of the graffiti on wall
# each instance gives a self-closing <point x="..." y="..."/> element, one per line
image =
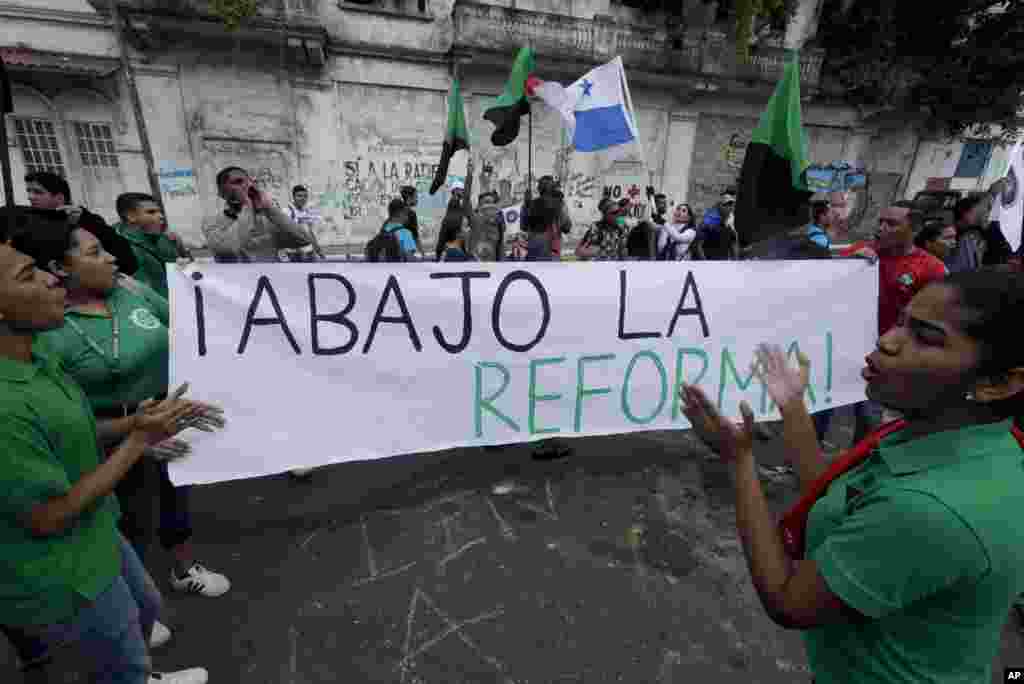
<point x="734" y="151"/>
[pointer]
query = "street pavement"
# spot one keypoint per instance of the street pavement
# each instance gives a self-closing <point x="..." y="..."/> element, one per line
<point x="620" y="563"/>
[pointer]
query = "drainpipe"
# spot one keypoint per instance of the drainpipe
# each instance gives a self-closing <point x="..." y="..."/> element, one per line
<point x="140" y="120"/>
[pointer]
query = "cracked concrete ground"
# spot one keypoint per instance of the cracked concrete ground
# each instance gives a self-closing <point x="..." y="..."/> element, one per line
<point x="620" y="563"/>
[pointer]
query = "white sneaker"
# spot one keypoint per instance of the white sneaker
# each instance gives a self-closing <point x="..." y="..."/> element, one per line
<point x="195" y="675"/>
<point x="199" y="580"/>
<point x="161" y="635"/>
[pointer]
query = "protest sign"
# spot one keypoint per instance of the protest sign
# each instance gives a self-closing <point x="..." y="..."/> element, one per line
<point x="324" y="363"/>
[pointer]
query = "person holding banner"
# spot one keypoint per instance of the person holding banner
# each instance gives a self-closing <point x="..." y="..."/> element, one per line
<point x="903" y="558"/>
<point x="69" y="576"/>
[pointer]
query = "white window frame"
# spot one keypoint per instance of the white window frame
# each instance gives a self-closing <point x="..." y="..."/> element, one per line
<point x="30" y="154"/>
<point x="95" y="152"/>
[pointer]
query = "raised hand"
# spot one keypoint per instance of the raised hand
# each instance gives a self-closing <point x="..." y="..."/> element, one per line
<point x="784" y="382"/>
<point x="727" y="439"/>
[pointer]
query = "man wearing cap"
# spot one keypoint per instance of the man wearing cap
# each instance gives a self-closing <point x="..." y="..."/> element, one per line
<point x="716" y="238"/>
<point x="606" y="239"/>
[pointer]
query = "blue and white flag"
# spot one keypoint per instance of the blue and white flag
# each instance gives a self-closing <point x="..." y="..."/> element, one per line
<point x="602" y="109"/>
<point x="597" y="109"/>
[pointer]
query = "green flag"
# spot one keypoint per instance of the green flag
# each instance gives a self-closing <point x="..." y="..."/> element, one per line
<point x="456" y="136"/>
<point x="781" y="126"/>
<point x="773" y="194"/>
<point x="508" y="109"/>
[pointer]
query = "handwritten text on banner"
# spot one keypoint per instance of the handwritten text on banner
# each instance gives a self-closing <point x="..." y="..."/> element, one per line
<point x="324" y="363"/>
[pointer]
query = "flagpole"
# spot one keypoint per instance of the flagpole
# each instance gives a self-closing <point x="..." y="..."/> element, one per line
<point x="529" y="153"/>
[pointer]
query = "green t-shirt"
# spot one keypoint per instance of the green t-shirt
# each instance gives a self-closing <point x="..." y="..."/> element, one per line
<point x="49" y="442"/>
<point x="152" y="253"/>
<point x="925" y="539"/>
<point x="144" y="348"/>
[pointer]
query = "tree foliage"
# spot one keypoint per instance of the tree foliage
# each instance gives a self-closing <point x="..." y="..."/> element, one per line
<point x="961" y="63"/>
<point x="747" y="18"/>
<point x="233" y="12"/>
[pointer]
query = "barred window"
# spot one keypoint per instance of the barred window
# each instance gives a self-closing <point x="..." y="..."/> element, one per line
<point x="95" y="144"/>
<point x="37" y="139"/>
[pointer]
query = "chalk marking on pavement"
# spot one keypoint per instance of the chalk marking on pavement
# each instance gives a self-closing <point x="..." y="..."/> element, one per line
<point x="551" y="499"/>
<point x="668" y="663"/>
<point x="539" y="510"/>
<point x="371" y="561"/>
<point x="303" y="545"/>
<point x="384" y="575"/>
<point x="461" y="550"/>
<point x="449" y="541"/>
<point x="506" y="530"/>
<point x="293" y="643"/>
<point x="452" y="627"/>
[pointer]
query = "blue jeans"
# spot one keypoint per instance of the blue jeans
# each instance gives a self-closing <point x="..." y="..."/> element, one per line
<point x="114" y="630"/>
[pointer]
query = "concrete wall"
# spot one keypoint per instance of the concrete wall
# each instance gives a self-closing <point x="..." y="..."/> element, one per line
<point x="366" y="125"/>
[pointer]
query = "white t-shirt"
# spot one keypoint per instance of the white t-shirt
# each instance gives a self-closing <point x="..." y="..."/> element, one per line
<point x="680" y="235"/>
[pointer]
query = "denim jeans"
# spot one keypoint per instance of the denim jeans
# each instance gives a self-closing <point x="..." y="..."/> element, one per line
<point x="114" y="630"/>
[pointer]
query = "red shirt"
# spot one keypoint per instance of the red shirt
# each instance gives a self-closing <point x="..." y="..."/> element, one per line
<point x="899" y="279"/>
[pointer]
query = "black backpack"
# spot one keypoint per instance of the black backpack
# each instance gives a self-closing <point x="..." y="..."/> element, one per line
<point x="384" y="246"/>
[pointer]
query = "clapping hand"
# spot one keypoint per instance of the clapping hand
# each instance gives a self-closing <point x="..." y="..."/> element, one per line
<point x="729" y="440"/>
<point x="784" y="382"/>
<point x="160" y="421"/>
<point x="169" y="450"/>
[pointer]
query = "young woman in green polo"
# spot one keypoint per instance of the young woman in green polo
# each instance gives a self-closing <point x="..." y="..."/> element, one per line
<point x="913" y="557"/>
<point x="115" y="344"/>
<point x="68" y="576"/>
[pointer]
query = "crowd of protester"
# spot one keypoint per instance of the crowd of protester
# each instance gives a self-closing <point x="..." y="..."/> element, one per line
<point x="89" y="422"/>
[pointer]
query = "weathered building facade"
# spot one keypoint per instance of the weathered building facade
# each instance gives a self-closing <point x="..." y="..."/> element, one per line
<point x="350" y="99"/>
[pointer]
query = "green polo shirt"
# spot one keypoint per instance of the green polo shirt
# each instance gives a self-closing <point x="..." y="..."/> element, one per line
<point x="152" y="253"/>
<point x="49" y="442"/>
<point x="144" y="355"/>
<point x="924" y="538"/>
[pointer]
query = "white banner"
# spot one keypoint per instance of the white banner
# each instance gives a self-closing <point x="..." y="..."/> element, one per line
<point x="325" y="363"/>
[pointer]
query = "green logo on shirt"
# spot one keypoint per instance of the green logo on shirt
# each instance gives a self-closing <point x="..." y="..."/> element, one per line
<point x="144" y="319"/>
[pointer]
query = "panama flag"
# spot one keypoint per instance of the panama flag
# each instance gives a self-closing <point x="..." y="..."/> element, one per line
<point x="597" y="109"/>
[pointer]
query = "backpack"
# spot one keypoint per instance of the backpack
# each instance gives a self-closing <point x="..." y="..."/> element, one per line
<point x="384" y="247"/>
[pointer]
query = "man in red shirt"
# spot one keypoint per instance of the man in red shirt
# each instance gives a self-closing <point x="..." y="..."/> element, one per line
<point x="903" y="271"/>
